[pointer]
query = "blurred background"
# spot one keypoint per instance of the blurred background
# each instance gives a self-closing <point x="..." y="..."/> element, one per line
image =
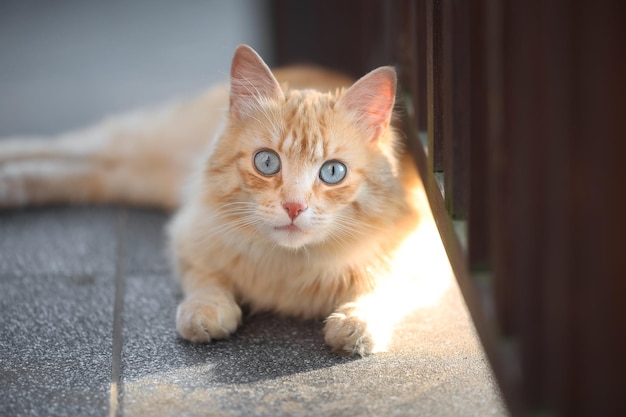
<point x="68" y="63"/>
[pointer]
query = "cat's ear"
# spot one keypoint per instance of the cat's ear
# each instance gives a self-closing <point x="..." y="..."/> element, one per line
<point x="371" y="101"/>
<point x="250" y="80"/>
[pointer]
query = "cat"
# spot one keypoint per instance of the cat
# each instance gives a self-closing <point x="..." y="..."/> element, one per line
<point x="291" y="192"/>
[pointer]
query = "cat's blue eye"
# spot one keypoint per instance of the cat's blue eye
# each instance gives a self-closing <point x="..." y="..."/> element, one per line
<point x="333" y="172"/>
<point x="267" y="162"/>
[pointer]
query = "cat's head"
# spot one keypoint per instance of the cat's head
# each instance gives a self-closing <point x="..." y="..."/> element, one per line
<point x="302" y="167"/>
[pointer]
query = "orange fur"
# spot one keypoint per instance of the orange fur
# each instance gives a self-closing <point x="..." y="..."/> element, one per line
<point x="228" y="226"/>
<point x="232" y="241"/>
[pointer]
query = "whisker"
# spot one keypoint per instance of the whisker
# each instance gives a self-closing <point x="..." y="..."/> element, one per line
<point x="240" y="224"/>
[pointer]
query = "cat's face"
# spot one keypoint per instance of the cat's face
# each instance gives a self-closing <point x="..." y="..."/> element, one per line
<point x="301" y="171"/>
<point x="309" y="166"/>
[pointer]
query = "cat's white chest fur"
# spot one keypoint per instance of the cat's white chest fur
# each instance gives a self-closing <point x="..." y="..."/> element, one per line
<point x="306" y="282"/>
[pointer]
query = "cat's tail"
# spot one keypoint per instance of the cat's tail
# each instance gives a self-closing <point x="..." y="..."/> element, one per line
<point x="128" y="160"/>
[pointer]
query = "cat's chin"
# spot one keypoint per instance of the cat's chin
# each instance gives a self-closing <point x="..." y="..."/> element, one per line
<point x="291" y="236"/>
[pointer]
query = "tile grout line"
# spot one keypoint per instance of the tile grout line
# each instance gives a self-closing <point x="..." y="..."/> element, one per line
<point x="115" y="393"/>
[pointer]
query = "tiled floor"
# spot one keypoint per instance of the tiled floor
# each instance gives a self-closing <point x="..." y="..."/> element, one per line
<point x="87" y="299"/>
<point x="88" y="303"/>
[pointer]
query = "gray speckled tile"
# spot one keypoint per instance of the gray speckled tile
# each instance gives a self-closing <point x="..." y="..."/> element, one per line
<point x="58" y="241"/>
<point x="146" y="241"/>
<point x="265" y="347"/>
<point x="275" y="367"/>
<point x="55" y="348"/>
<point x="57" y="283"/>
<point x="164" y="375"/>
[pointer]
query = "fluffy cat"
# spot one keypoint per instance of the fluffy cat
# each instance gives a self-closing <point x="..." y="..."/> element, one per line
<point x="297" y="200"/>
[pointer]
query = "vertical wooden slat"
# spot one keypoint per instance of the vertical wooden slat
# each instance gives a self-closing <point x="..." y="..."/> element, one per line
<point x="329" y="33"/>
<point x="409" y="59"/>
<point x="295" y="24"/>
<point x="599" y="204"/>
<point x="478" y="225"/>
<point x="434" y="104"/>
<point x="524" y="103"/>
<point x="498" y="157"/>
<point x="456" y="105"/>
<point x="447" y="112"/>
<point x="403" y="43"/>
<point x="419" y="31"/>
<point x="555" y="114"/>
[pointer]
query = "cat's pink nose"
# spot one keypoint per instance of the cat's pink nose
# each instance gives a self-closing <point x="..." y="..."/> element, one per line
<point x="293" y="209"/>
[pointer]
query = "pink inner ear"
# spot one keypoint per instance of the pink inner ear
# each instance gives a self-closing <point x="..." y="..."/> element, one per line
<point x="372" y="98"/>
<point x="250" y="80"/>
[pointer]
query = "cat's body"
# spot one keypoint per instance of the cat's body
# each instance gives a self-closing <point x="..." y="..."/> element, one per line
<point x="297" y="202"/>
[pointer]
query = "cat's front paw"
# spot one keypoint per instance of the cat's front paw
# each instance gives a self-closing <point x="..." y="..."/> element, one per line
<point x="346" y="331"/>
<point x="201" y="320"/>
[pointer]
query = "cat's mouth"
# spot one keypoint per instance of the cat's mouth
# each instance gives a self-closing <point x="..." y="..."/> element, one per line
<point x="292" y="236"/>
<point x="289" y="228"/>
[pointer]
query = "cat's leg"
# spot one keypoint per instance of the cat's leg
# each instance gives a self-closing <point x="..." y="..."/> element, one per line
<point x="365" y="325"/>
<point x="208" y="311"/>
<point x="354" y="329"/>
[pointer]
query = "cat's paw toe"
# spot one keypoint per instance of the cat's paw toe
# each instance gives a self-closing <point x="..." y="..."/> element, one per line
<point x="345" y="332"/>
<point x="201" y="321"/>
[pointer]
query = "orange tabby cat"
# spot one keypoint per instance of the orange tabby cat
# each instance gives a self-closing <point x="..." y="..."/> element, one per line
<point x="296" y="202"/>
